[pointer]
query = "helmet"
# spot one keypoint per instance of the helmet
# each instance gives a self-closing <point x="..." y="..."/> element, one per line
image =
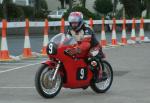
<point x="75" y="20"/>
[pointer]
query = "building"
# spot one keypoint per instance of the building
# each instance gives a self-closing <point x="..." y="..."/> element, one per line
<point x="22" y="2"/>
<point x="55" y="4"/>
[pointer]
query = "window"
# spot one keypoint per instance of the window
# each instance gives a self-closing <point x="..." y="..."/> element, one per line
<point x="60" y="12"/>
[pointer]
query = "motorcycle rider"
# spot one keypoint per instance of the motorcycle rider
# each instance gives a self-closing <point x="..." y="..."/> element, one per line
<point x="85" y="37"/>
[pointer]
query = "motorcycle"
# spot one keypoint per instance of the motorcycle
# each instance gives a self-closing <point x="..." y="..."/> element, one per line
<point x="68" y="71"/>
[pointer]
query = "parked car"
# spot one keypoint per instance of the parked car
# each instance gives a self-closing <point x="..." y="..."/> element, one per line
<point x="57" y="13"/>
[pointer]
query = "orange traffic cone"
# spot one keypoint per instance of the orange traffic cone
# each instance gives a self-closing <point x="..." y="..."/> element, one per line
<point x="27" y="48"/>
<point x="62" y="25"/>
<point x="141" y="34"/>
<point x="114" y="39"/>
<point x="91" y="22"/>
<point x="103" y="37"/>
<point x="123" y="38"/>
<point x="133" y="37"/>
<point x="4" y="53"/>
<point x="45" y="42"/>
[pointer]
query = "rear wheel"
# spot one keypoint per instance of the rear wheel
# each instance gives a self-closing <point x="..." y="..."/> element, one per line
<point x="44" y="84"/>
<point x="104" y="85"/>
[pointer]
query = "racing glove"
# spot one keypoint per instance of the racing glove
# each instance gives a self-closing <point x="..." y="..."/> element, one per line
<point x="73" y="51"/>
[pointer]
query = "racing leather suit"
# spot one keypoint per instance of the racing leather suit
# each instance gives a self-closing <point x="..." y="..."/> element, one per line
<point x="86" y="40"/>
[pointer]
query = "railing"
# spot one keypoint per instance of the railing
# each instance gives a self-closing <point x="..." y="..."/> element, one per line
<point x="58" y="23"/>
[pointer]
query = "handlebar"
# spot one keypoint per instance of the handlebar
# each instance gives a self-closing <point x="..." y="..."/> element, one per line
<point x="67" y="52"/>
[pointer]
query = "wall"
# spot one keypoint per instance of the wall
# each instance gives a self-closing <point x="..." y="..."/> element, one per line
<point x="53" y="4"/>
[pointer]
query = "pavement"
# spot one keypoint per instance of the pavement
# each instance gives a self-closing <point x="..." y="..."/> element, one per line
<point x="131" y="65"/>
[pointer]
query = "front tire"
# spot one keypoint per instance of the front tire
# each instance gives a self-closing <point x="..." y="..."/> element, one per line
<point x="44" y="84"/>
<point x="103" y="86"/>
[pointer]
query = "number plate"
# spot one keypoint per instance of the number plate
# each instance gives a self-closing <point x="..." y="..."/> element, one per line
<point x="51" y="48"/>
<point x="82" y="74"/>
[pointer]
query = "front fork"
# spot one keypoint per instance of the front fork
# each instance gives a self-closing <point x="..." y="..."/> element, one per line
<point x="95" y="66"/>
<point x="56" y="70"/>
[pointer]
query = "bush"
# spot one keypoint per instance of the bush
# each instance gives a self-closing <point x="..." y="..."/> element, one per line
<point x="103" y="6"/>
<point x="28" y="11"/>
<point x="18" y="12"/>
<point x="133" y="8"/>
<point x="14" y="11"/>
<point x="86" y="13"/>
<point x="1" y="14"/>
<point x="40" y="15"/>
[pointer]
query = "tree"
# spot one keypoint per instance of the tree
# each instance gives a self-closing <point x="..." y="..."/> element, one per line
<point x="87" y="14"/>
<point x="44" y="5"/>
<point x="5" y="3"/>
<point x="62" y="2"/>
<point x="83" y="3"/>
<point x="147" y="7"/>
<point x="14" y="12"/>
<point x="114" y="6"/>
<point x="70" y="4"/>
<point x="36" y="6"/>
<point x="103" y="6"/>
<point x="39" y="7"/>
<point x="133" y="8"/>
<point x="1" y="13"/>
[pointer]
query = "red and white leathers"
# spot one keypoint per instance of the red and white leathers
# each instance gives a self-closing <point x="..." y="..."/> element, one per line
<point x="86" y="40"/>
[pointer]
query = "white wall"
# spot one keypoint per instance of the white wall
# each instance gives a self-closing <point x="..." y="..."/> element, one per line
<point x="1" y="1"/>
<point x="90" y="4"/>
<point x="22" y="2"/>
<point x="53" y="4"/>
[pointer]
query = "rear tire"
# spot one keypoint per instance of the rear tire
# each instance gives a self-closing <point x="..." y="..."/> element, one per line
<point x="105" y="84"/>
<point x="44" y="86"/>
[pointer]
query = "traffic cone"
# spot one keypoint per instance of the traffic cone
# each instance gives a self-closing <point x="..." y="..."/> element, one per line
<point x="4" y="53"/>
<point x="91" y="22"/>
<point x="103" y="37"/>
<point x="27" y="48"/>
<point x="114" y="39"/>
<point x="62" y="25"/>
<point x="133" y="37"/>
<point x="141" y="34"/>
<point x="45" y="42"/>
<point x="123" y="38"/>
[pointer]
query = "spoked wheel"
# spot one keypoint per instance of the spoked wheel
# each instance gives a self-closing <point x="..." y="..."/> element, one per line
<point x="103" y="85"/>
<point x="44" y="84"/>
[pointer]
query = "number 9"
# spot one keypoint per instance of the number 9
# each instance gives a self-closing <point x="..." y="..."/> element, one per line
<point x="50" y="48"/>
<point x="82" y="73"/>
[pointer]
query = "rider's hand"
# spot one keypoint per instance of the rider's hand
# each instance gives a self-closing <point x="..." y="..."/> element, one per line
<point x="73" y="51"/>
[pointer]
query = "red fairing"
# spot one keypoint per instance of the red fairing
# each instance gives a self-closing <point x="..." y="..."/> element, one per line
<point x="51" y="64"/>
<point x="71" y="68"/>
<point x="48" y="62"/>
<point x="84" y="46"/>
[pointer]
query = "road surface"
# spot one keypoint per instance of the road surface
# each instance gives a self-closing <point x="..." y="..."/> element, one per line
<point x="131" y="65"/>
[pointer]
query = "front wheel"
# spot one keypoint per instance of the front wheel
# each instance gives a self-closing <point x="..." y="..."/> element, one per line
<point x="104" y="85"/>
<point x="44" y="84"/>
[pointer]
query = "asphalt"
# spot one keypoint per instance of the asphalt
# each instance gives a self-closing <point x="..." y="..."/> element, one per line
<point x="131" y="80"/>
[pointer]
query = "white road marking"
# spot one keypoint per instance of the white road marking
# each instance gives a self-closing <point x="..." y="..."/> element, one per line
<point x="17" y="68"/>
<point x="16" y="63"/>
<point x="17" y="87"/>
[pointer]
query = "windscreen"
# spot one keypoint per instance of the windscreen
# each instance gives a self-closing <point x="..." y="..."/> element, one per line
<point x="63" y="39"/>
